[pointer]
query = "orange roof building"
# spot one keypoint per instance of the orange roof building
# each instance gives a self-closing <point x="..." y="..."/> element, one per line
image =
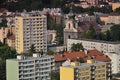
<point x="97" y="55"/>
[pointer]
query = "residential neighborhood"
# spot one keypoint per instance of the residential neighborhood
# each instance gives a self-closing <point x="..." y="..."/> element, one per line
<point x="59" y="39"/>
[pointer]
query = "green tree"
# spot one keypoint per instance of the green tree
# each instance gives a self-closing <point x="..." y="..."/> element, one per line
<point x="78" y="9"/>
<point x="106" y="9"/>
<point x="32" y="48"/>
<point x="100" y="36"/>
<point x="49" y="52"/>
<point x="108" y="35"/>
<point x="5" y="53"/>
<point x="3" y="23"/>
<point x="77" y="47"/>
<point x="31" y="51"/>
<point x="117" y="10"/>
<point x="54" y="76"/>
<point x="81" y="60"/>
<point x="66" y="9"/>
<point x="115" y="32"/>
<point x="90" y="34"/>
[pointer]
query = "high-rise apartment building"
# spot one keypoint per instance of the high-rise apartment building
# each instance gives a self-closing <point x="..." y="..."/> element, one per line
<point x="31" y="29"/>
<point x="86" y="71"/>
<point x="29" y="68"/>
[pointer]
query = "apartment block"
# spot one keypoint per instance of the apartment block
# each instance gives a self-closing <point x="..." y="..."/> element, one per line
<point x="37" y="67"/>
<point x="112" y="18"/>
<point x="86" y="71"/>
<point x="104" y="46"/>
<point x="31" y="29"/>
<point x="115" y="60"/>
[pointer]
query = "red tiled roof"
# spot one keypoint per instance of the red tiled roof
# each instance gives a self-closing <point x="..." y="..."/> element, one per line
<point x="97" y="55"/>
<point x="2" y="9"/>
<point x="94" y="53"/>
<point x="11" y="37"/>
<point x="59" y="57"/>
<point x="74" y="55"/>
<point x="67" y="55"/>
<point x="103" y="58"/>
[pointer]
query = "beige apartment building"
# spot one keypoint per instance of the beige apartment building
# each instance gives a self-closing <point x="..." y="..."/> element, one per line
<point x="115" y="5"/>
<point x="113" y="18"/>
<point x="31" y="29"/>
<point x="89" y="44"/>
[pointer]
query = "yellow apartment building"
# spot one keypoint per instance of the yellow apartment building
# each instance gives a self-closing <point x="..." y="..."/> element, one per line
<point x="86" y="71"/>
<point x="31" y="29"/>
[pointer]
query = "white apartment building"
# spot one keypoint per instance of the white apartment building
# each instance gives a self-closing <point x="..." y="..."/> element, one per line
<point x="115" y="60"/>
<point x="29" y="68"/>
<point x="31" y="29"/>
<point x="88" y="44"/>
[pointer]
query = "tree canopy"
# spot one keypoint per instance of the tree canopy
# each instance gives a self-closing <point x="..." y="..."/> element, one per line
<point x="50" y="52"/>
<point x="115" y="32"/>
<point x="81" y="60"/>
<point x="5" y="53"/>
<point x="117" y="10"/>
<point x="109" y="35"/>
<point x="54" y="76"/>
<point x="77" y="47"/>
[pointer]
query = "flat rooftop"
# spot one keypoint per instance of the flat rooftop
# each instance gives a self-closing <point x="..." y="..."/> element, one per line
<point x="85" y="64"/>
<point x="26" y="58"/>
<point x="100" y="41"/>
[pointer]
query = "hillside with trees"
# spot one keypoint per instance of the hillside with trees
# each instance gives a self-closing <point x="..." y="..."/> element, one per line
<point x="5" y="53"/>
<point x="109" y="35"/>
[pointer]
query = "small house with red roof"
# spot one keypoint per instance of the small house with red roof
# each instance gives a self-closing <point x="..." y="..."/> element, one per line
<point x="74" y="56"/>
<point x="11" y="41"/>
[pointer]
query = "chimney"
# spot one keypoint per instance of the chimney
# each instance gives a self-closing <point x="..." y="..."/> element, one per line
<point x="86" y="51"/>
<point x="62" y="55"/>
<point x="90" y="61"/>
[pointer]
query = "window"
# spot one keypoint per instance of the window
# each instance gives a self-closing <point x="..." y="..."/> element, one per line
<point x="69" y="36"/>
<point x="69" y="25"/>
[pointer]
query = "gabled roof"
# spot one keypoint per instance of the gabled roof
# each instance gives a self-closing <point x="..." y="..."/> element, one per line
<point x="11" y="37"/>
<point x="73" y="56"/>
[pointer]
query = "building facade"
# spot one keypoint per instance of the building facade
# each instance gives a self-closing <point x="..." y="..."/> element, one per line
<point x="31" y="29"/>
<point x="51" y="36"/>
<point x="77" y="25"/>
<point x="70" y="30"/>
<point x="115" y="6"/>
<point x="88" y="44"/>
<point x="86" y="71"/>
<point x="4" y="33"/>
<point x="115" y="60"/>
<point x="29" y="68"/>
<point x="111" y="19"/>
